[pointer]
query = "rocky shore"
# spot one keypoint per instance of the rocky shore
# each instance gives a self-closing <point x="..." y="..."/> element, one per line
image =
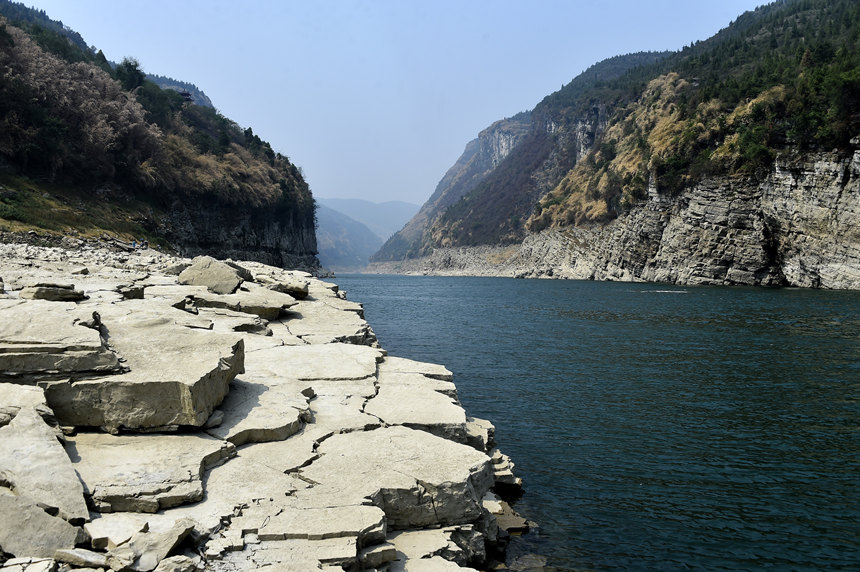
<point x="171" y="414"/>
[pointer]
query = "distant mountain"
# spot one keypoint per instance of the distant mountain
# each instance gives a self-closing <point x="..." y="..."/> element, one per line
<point x="384" y="219"/>
<point x="344" y="244"/>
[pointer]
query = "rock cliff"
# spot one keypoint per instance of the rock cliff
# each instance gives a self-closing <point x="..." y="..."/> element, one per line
<point x="175" y="415"/>
<point x="798" y="226"/>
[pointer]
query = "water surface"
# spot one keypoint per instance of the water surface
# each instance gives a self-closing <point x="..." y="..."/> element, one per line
<point x="656" y="427"/>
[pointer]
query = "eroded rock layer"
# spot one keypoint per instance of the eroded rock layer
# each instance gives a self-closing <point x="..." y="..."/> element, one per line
<point x="211" y="415"/>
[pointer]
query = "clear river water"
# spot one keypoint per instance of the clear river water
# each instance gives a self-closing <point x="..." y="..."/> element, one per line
<point x="656" y="427"/>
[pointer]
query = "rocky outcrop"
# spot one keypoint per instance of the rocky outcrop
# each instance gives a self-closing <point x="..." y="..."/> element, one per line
<point x="162" y="431"/>
<point x="798" y="226"/>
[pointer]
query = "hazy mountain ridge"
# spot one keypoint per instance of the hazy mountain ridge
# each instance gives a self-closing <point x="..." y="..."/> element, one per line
<point x="345" y="244"/>
<point x="781" y="81"/>
<point x="383" y="219"/>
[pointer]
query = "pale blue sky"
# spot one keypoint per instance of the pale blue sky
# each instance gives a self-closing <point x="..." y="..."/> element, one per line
<point x="377" y="99"/>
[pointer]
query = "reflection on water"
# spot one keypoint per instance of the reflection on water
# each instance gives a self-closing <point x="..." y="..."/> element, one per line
<point x="656" y="427"/>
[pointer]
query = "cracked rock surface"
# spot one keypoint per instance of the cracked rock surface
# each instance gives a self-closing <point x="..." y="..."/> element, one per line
<point x="219" y="415"/>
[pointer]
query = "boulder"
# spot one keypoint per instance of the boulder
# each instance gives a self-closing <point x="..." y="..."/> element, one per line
<point x="144" y="473"/>
<point x="36" y="464"/>
<point x="218" y="277"/>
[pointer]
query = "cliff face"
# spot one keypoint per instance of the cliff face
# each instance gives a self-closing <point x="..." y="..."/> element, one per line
<point x="798" y="226"/>
<point x="480" y="157"/>
<point x="280" y="236"/>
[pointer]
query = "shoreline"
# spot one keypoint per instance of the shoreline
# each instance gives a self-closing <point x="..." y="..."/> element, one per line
<point x="227" y="416"/>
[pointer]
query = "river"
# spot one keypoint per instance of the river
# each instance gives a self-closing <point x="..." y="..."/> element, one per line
<point x="656" y="427"/>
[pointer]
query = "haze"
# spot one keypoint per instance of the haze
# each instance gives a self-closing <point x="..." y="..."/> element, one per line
<point x="376" y="100"/>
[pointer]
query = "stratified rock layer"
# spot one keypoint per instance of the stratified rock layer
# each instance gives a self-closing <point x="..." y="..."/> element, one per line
<point x="258" y="427"/>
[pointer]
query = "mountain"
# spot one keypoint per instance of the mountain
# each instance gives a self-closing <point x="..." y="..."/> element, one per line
<point x="88" y="148"/>
<point x="731" y="161"/>
<point x="345" y="245"/>
<point x="384" y="219"/>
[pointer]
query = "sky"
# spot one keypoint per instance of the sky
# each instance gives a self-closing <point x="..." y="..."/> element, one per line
<point x="377" y="99"/>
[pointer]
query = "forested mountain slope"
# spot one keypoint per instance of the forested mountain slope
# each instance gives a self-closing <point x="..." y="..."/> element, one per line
<point x="776" y="93"/>
<point x="86" y="148"/>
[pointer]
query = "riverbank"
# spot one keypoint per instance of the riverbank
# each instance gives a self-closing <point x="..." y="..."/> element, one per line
<point x="172" y="414"/>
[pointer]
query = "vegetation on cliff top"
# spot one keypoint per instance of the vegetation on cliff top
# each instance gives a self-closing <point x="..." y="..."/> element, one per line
<point x="72" y="122"/>
<point x="784" y="77"/>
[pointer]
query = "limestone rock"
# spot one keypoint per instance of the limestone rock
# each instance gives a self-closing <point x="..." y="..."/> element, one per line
<point x="29" y="565"/>
<point x="146" y="550"/>
<point x="295" y="554"/>
<point x="322" y="322"/>
<point x="279" y="522"/>
<point x="35" y="462"/>
<point x="394" y="364"/>
<point x="295" y="287"/>
<point x="418" y="479"/>
<point x="52" y="292"/>
<point x="176" y="564"/>
<point x="107" y="531"/>
<point x="164" y="386"/>
<point x="144" y="473"/>
<point x="420" y="408"/>
<point x="313" y="362"/>
<point x="40" y="339"/>
<point x="219" y="277"/>
<point x="81" y="557"/>
<point x="27" y="530"/>
<point x="256" y="412"/>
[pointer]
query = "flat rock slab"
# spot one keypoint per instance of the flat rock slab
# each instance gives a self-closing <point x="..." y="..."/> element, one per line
<point x="144" y="473"/>
<point x="258" y="412"/>
<point x="293" y="555"/>
<point x="26" y="530"/>
<point x="395" y="364"/>
<point x="273" y="521"/>
<point x="36" y="463"/>
<point x="418" y="479"/>
<point x="320" y="322"/>
<point x="290" y="455"/>
<point x="419" y="407"/>
<point x="419" y="381"/>
<point x="39" y="339"/>
<point x="312" y="362"/>
<point x="177" y="376"/>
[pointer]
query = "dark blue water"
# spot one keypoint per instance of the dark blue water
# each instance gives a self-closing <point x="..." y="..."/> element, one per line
<point x="656" y="427"/>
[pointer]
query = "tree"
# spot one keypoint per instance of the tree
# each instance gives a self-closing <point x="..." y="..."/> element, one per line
<point x="129" y="74"/>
